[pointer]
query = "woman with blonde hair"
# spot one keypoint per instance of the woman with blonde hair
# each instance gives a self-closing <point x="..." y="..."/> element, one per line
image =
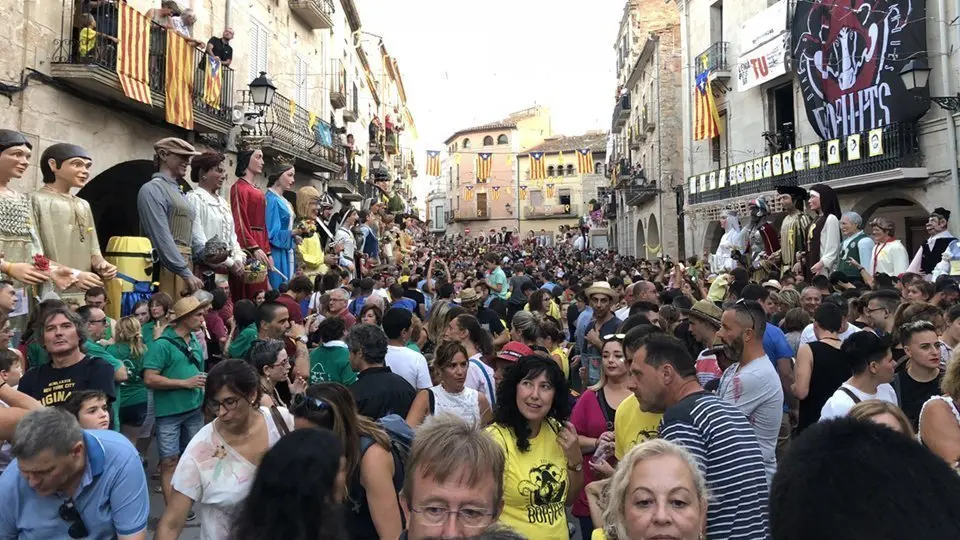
<point x="657" y="491"/>
<point x="940" y="417"/>
<point x="882" y="412"/>
<point x="310" y="252"/>
<point x="128" y="347"/>
<point x="788" y="299"/>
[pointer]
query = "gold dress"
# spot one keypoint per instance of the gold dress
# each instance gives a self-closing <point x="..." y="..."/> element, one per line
<point x="18" y="242"/>
<point x="64" y="223"/>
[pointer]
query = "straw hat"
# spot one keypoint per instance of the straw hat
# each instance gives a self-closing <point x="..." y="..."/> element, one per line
<point x="602" y="287"/>
<point x="189" y="305"/>
<point x="467" y="296"/>
<point x="707" y="311"/>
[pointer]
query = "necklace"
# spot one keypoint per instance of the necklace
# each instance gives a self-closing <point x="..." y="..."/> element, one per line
<point x="831" y="338"/>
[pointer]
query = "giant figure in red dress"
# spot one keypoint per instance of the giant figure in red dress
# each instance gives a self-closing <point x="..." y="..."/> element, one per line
<point x="249" y="207"/>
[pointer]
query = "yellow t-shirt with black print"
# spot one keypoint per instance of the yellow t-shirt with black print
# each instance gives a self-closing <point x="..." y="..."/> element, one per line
<point x="631" y="426"/>
<point x="535" y="483"/>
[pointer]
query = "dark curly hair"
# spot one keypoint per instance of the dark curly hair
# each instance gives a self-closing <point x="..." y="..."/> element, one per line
<point x="507" y="414"/>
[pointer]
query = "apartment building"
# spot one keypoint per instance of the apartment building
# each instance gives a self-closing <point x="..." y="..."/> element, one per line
<point x="804" y="93"/>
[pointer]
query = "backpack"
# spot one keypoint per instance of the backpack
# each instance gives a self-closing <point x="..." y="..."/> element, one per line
<point x="401" y="439"/>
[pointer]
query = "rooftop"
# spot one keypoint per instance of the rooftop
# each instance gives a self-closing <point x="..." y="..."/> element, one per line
<point x="510" y="122"/>
<point x="596" y="141"/>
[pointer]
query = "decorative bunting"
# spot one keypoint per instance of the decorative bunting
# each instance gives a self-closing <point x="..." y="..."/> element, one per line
<point x="293" y="109"/>
<point x="468" y="193"/>
<point x="523" y="193"/>
<point x="311" y="120"/>
<point x="550" y="191"/>
<point x="456" y="158"/>
<point x="496" y="193"/>
<point x="560" y="158"/>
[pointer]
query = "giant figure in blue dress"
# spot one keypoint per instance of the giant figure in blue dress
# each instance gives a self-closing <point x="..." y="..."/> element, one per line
<point x="280" y="215"/>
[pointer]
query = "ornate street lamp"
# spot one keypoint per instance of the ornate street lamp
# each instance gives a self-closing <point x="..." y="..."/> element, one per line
<point x="375" y="162"/>
<point x="915" y="75"/>
<point x="262" y="90"/>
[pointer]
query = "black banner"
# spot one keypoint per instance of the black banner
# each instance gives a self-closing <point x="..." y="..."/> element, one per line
<point x="848" y="55"/>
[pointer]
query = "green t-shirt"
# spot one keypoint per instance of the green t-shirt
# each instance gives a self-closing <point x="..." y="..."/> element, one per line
<point x="166" y="357"/>
<point x="240" y="345"/>
<point x="497" y="277"/>
<point x="99" y="351"/>
<point x="412" y="345"/>
<point x="132" y="390"/>
<point x="147" y="332"/>
<point x="36" y="355"/>
<point x="331" y="363"/>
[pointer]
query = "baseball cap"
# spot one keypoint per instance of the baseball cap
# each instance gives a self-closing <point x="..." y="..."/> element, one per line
<point x="513" y="351"/>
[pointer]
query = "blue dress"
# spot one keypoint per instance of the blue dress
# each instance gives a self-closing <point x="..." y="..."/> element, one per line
<point x="280" y="232"/>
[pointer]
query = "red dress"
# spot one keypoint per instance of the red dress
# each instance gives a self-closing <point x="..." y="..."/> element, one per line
<point x="249" y="207"/>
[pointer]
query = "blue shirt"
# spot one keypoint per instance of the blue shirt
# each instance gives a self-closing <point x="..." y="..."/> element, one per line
<point x="580" y="333"/>
<point x="405" y="303"/>
<point x="776" y="346"/>
<point x="112" y="497"/>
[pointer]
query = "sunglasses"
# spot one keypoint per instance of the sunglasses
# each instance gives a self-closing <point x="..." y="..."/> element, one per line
<point x="70" y="514"/>
<point x="618" y="337"/>
<point x="301" y="403"/>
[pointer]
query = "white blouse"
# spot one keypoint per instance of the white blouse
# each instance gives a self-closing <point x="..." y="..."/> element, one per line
<point x="214" y="218"/>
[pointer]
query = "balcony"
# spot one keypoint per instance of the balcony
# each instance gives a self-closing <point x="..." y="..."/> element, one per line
<point x="901" y="159"/>
<point x="390" y="142"/>
<point x="352" y="111"/>
<point x="472" y="213"/>
<point x="715" y="60"/>
<point x="610" y="211"/>
<point x="284" y="128"/>
<point x="550" y="211"/>
<point x="646" y="124"/>
<point x="316" y="14"/>
<point x="95" y="75"/>
<point x="338" y="84"/>
<point x="621" y="112"/>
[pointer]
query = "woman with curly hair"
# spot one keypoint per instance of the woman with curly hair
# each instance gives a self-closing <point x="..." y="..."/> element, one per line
<point x="544" y="465"/>
<point x="371" y="314"/>
<point x="297" y="493"/>
<point x="218" y="466"/>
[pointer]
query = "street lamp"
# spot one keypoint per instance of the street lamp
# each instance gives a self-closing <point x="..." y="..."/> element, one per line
<point x="375" y="162"/>
<point x="262" y="90"/>
<point x="915" y="75"/>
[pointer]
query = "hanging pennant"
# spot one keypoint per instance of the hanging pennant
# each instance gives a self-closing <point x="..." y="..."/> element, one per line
<point x="496" y="193"/>
<point x="550" y="191"/>
<point x="468" y="193"/>
<point x="523" y="193"/>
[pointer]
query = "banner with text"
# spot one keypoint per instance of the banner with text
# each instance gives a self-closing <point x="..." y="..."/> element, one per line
<point x="763" y="64"/>
<point x="763" y="27"/>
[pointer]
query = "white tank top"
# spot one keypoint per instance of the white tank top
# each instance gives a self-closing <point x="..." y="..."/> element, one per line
<point x="948" y="401"/>
<point x="465" y="404"/>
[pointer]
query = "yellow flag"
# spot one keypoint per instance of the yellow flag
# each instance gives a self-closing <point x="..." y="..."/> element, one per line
<point x="293" y="109"/>
<point x="509" y="159"/>
<point x="312" y="122"/>
<point x="560" y="158"/>
<point x="456" y="158"/>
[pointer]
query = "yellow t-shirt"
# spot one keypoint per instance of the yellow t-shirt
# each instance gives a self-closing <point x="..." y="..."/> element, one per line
<point x="598" y="534"/>
<point x="88" y="40"/>
<point x="631" y="426"/>
<point x="561" y="353"/>
<point x="535" y="484"/>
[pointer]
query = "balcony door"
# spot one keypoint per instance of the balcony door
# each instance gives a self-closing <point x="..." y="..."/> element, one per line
<point x="482" y="209"/>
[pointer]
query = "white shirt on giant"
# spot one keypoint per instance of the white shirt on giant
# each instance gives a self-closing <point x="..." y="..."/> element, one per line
<point x="410" y="365"/>
<point x="214" y="218"/>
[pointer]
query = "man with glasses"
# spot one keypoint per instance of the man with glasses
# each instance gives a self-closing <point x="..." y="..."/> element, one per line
<point x="881" y="306"/>
<point x="751" y="383"/>
<point x="97" y="321"/>
<point x="453" y="486"/>
<point x="71" y="483"/>
<point x="96" y="297"/>
<point x="338" y="301"/>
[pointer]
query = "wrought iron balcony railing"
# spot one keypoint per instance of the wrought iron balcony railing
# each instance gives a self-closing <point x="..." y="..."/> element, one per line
<point x="317" y="14"/>
<point x="899" y="148"/>
<point x="714" y="58"/>
<point x="621" y="112"/>
<point x="338" y="84"/>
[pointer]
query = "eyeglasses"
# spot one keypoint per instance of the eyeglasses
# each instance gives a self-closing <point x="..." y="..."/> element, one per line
<point x="70" y="514"/>
<point x="95" y="321"/>
<point x="229" y="404"/>
<point x="743" y="306"/>
<point x="468" y="517"/>
<point x="301" y="403"/>
<point x="618" y="337"/>
<point x="281" y="363"/>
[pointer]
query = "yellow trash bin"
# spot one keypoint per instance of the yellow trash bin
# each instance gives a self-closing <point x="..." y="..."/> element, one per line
<point x="132" y="257"/>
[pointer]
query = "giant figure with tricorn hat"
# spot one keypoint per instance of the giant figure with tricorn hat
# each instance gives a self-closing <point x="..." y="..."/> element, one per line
<point x="64" y="221"/>
<point x="793" y="230"/>
<point x="939" y="239"/>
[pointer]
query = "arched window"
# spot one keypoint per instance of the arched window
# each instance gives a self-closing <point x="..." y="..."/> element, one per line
<point x="550" y="170"/>
<point x="598" y="168"/>
<point x="570" y="170"/>
<point x="503" y="140"/>
<point x="488" y="141"/>
<point x="466" y="143"/>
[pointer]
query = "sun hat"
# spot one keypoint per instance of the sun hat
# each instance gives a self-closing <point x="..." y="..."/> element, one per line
<point x="603" y="287"/>
<point x="190" y="304"/>
<point x="467" y="296"/>
<point x="772" y="284"/>
<point x="513" y="351"/>
<point x="707" y="311"/>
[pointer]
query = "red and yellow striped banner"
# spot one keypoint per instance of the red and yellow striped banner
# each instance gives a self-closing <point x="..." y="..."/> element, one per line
<point x="180" y="72"/>
<point x="433" y="163"/>
<point x="585" y="161"/>
<point x="484" y="165"/>
<point x="133" y="54"/>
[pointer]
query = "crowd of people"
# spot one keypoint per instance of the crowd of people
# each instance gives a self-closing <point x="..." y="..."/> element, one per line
<point x="355" y="377"/>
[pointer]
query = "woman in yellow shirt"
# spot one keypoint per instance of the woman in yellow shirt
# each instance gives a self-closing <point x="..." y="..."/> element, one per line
<point x="551" y="338"/>
<point x="544" y="466"/>
<point x="542" y="301"/>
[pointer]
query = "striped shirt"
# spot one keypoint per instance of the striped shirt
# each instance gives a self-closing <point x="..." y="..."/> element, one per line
<point x="725" y="446"/>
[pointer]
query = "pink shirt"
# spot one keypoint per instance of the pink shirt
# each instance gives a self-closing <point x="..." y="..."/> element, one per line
<point x="588" y="418"/>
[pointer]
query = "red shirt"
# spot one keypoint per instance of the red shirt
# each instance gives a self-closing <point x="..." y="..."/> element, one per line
<point x="293" y="307"/>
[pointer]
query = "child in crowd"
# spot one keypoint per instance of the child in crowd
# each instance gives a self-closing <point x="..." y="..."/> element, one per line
<point x="10" y="367"/>
<point x="90" y="407"/>
<point x="88" y="36"/>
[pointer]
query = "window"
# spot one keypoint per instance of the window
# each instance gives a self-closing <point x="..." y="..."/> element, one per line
<point x="570" y="170"/>
<point x="719" y="145"/>
<point x="598" y="168"/>
<point x="301" y="95"/>
<point x="550" y="170"/>
<point x="488" y="141"/>
<point x="503" y="140"/>
<point x="482" y="209"/>
<point x="466" y="143"/>
<point x="536" y="198"/>
<point x="780" y="101"/>
<point x="259" y="39"/>
<point x="564" y="197"/>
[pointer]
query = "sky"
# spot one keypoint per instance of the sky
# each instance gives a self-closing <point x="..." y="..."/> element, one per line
<point x="466" y="63"/>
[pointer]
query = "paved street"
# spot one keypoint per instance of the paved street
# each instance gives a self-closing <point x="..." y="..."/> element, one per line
<point x="190" y="532"/>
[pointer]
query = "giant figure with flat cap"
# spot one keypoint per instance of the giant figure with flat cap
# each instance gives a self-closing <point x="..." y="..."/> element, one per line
<point x="939" y="239"/>
<point x="249" y="207"/>
<point x="167" y="218"/>
<point x="793" y="230"/>
<point x="64" y="221"/>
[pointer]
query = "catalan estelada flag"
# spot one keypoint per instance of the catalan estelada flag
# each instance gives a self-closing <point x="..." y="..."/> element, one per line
<point x="213" y="82"/>
<point x="538" y="170"/>
<point x="180" y="70"/>
<point x="133" y="54"/>
<point x="585" y="161"/>
<point x="523" y="193"/>
<point x="706" y="120"/>
<point x="484" y="164"/>
<point x="433" y="163"/>
<point x="468" y="193"/>
<point x="496" y="193"/>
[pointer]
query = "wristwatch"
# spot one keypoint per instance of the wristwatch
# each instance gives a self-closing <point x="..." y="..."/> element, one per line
<point x="575" y="468"/>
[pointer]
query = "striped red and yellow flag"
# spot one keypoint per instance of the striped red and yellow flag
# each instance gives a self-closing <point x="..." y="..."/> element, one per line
<point x="133" y="54"/>
<point x="585" y="161"/>
<point x="213" y="82"/>
<point x="484" y="164"/>
<point x="538" y="169"/>
<point x="433" y="163"/>
<point x="180" y="71"/>
<point x="706" y="119"/>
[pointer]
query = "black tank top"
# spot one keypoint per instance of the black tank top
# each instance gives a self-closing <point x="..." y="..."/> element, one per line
<point x="830" y="370"/>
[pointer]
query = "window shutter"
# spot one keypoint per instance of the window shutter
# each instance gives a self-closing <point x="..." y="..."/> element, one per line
<point x="254" y="49"/>
<point x="262" y="45"/>
<point x="301" y="74"/>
